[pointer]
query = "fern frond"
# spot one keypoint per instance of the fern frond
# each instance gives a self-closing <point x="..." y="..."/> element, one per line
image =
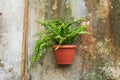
<point x="40" y="45"/>
<point x="56" y="32"/>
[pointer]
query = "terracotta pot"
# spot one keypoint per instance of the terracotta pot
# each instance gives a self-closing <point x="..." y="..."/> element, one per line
<point x="64" y="54"/>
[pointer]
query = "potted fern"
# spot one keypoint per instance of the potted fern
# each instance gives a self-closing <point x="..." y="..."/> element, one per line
<point x="59" y="35"/>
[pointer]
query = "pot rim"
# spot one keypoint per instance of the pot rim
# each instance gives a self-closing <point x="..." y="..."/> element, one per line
<point x="65" y="46"/>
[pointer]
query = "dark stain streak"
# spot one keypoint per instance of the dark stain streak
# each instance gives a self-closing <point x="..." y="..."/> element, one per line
<point x="10" y="70"/>
<point x="1" y="64"/>
<point x="0" y="13"/>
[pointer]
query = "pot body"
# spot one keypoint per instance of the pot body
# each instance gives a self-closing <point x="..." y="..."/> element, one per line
<point x="64" y="54"/>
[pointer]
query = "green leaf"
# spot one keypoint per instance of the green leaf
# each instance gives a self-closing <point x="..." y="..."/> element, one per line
<point x="56" y="32"/>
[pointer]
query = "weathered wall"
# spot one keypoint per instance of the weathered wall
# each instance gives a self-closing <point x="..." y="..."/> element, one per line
<point x="97" y="53"/>
<point x="103" y="58"/>
<point x="115" y="19"/>
<point x="11" y="23"/>
<point x="46" y="69"/>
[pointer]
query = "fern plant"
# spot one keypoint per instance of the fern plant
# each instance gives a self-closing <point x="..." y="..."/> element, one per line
<point x="56" y="33"/>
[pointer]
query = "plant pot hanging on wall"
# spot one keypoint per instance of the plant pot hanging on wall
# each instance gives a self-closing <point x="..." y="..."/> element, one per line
<point x="64" y="54"/>
<point x="60" y="34"/>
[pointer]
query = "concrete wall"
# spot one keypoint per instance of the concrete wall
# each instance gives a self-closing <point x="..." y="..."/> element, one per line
<point x="96" y="55"/>
<point x="46" y="69"/>
<point x="11" y="23"/>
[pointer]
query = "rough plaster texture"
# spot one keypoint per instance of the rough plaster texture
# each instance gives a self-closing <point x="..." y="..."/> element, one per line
<point x="100" y="48"/>
<point x="11" y="21"/>
<point x="103" y="16"/>
<point x="46" y="69"/>
<point x="94" y="51"/>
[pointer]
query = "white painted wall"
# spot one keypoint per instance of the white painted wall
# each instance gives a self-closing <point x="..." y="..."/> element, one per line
<point x="11" y="23"/>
